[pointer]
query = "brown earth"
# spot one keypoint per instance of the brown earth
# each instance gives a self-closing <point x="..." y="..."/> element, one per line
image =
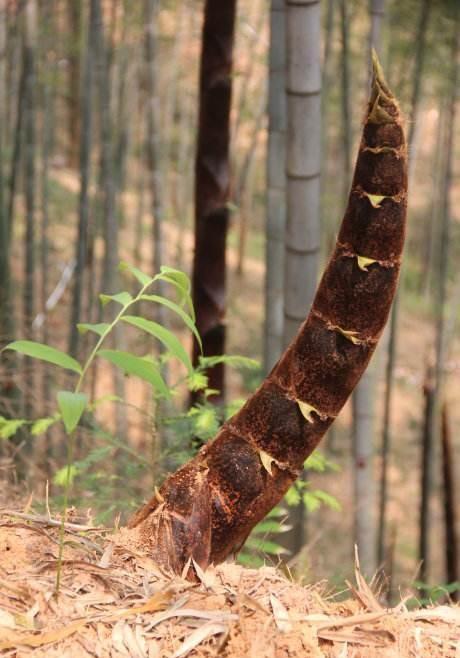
<point x="115" y="602"/>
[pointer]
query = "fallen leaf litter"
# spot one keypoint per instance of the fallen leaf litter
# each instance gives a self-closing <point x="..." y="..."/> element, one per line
<point x="116" y="602"/>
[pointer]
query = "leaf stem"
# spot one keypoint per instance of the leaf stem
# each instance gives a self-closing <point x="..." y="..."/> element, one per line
<point x="117" y="318"/>
<point x="70" y="454"/>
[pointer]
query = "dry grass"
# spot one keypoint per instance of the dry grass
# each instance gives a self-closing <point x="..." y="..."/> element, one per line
<point x="114" y="601"/>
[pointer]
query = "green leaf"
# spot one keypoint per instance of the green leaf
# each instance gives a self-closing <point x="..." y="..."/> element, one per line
<point x="197" y="381"/>
<point x="266" y="546"/>
<point x="123" y="298"/>
<point x="319" y="463"/>
<point x="8" y="428"/>
<point x="165" y="336"/>
<point x="105" y="398"/>
<point x="45" y="353"/>
<point x="327" y="499"/>
<point x="140" y="367"/>
<point x="233" y="407"/>
<point x="180" y="278"/>
<point x="182" y="284"/>
<point x="205" y="421"/>
<point x="100" y="328"/>
<point x="178" y="310"/>
<point x="42" y="424"/>
<point x="292" y="496"/>
<point x="143" y="279"/>
<point x="65" y="475"/>
<point x="311" y="502"/>
<point x="233" y="361"/>
<point x="316" y="462"/>
<point x="71" y="406"/>
<point x="272" y="526"/>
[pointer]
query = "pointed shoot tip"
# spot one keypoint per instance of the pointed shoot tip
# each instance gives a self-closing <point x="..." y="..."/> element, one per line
<point x="379" y="76"/>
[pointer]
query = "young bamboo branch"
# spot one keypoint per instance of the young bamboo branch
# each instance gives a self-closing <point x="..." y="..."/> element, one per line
<point x="208" y="507"/>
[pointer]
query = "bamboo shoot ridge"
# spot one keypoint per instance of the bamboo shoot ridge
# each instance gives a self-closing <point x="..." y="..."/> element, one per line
<point x="208" y="507"/>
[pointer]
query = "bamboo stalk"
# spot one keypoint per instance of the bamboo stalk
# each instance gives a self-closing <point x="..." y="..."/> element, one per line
<point x="452" y="544"/>
<point x="212" y="184"/>
<point x="276" y="188"/>
<point x="208" y="507"/>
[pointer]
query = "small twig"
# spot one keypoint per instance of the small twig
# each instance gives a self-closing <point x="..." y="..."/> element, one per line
<point x="56" y="294"/>
<point x="354" y="620"/>
<point x="44" y="520"/>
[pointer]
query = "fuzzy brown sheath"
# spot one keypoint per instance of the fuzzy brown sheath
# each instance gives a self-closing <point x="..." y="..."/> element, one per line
<point x="208" y="507"/>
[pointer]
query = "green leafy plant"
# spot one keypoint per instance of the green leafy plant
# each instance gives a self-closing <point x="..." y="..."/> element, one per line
<point x="72" y="404"/>
<point x="431" y="594"/>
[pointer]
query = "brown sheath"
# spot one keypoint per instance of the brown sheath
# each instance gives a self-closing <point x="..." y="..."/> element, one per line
<point x="208" y="507"/>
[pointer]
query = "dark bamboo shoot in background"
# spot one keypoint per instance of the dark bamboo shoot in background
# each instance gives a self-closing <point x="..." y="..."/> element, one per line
<point x="425" y="472"/>
<point x="212" y="182"/>
<point x="432" y="431"/>
<point x="452" y="550"/>
<point x="392" y="341"/>
<point x="209" y="506"/>
<point x="86" y="136"/>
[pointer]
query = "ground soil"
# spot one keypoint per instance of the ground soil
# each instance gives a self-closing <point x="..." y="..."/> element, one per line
<point x="114" y="601"/>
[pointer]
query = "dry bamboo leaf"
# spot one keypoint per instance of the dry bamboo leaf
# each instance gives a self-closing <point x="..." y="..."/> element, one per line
<point x="153" y="649"/>
<point x="442" y="613"/>
<point x="6" y="619"/>
<point x="378" y="114"/>
<point x="344" y="651"/>
<point x="251" y="603"/>
<point x="307" y="410"/>
<point x="316" y="618"/>
<point x="204" y="577"/>
<point x="350" y="335"/>
<point x="186" y="568"/>
<point x="135" y="645"/>
<point x="354" y="620"/>
<point x="26" y="620"/>
<point x="375" y="199"/>
<point x="267" y="461"/>
<point x="280" y="614"/>
<point x="118" y="639"/>
<point x="9" y="640"/>
<point x="365" y="592"/>
<point x="210" y="615"/>
<point x="106" y="558"/>
<point x="198" y="636"/>
<point x="156" y="602"/>
<point x="366" y="639"/>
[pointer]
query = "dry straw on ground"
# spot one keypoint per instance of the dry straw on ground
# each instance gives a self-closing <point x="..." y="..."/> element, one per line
<point x="115" y="602"/>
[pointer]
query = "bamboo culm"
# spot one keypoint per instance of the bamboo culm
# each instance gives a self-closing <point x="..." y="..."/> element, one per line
<point x="276" y="188"/>
<point x="212" y="183"/>
<point x="207" y="508"/>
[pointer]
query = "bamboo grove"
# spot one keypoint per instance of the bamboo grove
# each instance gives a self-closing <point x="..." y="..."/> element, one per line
<point x="217" y="137"/>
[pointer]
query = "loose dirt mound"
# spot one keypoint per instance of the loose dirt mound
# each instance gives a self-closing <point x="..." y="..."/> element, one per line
<point x="115" y="602"/>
